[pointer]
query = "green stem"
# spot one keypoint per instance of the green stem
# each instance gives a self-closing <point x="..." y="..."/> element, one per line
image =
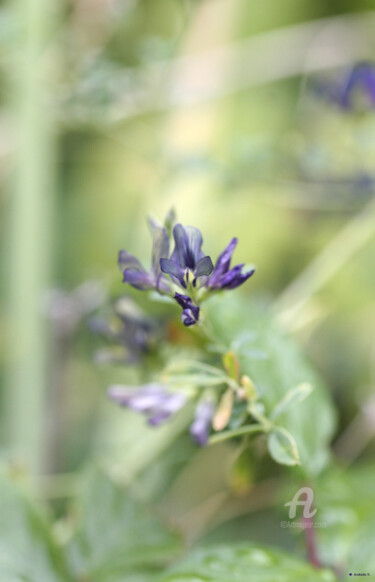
<point x="29" y="224"/>
<point x="230" y="434"/>
<point x="263" y="421"/>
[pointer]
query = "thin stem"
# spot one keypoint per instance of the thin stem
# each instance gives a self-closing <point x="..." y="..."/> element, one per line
<point x="266" y="424"/>
<point x="312" y="552"/>
<point x="230" y="434"/>
<point x="183" y="364"/>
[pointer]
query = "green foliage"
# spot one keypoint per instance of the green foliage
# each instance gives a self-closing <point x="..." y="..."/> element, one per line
<point x="345" y="502"/>
<point x="311" y="422"/>
<point x="291" y="398"/>
<point x="117" y="534"/>
<point x="282" y="447"/>
<point x="28" y="552"/>
<point x="241" y="563"/>
<point x="116" y="537"/>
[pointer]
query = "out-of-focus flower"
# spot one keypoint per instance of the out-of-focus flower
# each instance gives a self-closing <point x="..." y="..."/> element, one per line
<point x="225" y="277"/>
<point x="190" y="313"/>
<point x="67" y="309"/>
<point x="133" y="334"/>
<point x="355" y="90"/>
<point x="158" y="404"/>
<point x="152" y="400"/>
<point x="136" y="275"/>
<point x="200" y="428"/>
<point x="187" y="262"/>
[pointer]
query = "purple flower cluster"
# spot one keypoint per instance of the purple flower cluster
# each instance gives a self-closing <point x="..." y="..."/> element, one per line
<point x="158" y="405"/>
<point x="187" y="267"/>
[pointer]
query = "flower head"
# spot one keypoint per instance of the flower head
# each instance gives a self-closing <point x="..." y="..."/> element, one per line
<point x="225" y="277"/>
<point x="187" y="262"/>
<point x="187" y="267"/>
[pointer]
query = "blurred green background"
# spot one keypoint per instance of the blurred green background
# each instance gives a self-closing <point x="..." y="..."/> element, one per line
<point x="113" y="110"/>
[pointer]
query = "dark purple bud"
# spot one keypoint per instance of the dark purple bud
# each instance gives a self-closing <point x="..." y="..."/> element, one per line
<point x="190" y="313"/>
<point x="200" y="428"/>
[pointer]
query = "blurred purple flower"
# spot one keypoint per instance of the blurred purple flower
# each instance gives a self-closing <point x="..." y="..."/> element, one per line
<point x="66" y="309"/>
<point x="152" y="400"/>
<point x="133" y="333"/>
<point x="200" y="428"/>
<point x="360" y="78"/>
<point x="187" y="262"/>
<point x="225" y="277"/>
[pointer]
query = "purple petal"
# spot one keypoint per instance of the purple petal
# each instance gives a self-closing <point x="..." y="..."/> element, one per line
<point x="190" y="317"/>
<point x="141" y="399"/>
<point x="240" y="279"/>
<point x="173" y="269"/>
<point x="139" y="279"/>
<point x="120" y="394"/>
<point x="223" y="262"/>
<point x="160" y="249"/>
<point x="190" y="314"/>
<point x="188" y="242"/>
<point x="200" y="428"/>
<point x="172" y="404"/>
<point x="128" y="261"/>
<point x="183" y="300"/>
<point x="204" y="267"/>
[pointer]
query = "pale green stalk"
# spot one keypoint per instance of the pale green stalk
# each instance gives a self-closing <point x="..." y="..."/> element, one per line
<point x="30" y="223"/>
<point x="349" y="240"/>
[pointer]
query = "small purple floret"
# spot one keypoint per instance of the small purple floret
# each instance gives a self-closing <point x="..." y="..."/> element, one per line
<point x="200" y="428"/>
<point x="225" y="277"/>
<point x="190" y="313"/>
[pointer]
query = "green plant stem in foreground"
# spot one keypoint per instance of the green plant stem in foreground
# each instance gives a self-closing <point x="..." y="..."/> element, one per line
<point x="29" y="231"/>
<point x="230" y="434"/>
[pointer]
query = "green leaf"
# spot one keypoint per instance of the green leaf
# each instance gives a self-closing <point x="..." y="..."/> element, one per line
<point x="231" y="365"/>
<point x="291" y="398"/>
<point x="243" y="563"/>
<point x="117" y="535"/>
<point x="312" y="422"/>
<point x="28" y="552"/>
<point x="282" y="447"/>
